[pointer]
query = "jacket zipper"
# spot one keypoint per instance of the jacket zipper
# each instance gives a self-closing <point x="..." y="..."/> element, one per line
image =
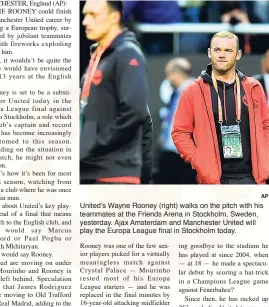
<point x="210" y="127"/>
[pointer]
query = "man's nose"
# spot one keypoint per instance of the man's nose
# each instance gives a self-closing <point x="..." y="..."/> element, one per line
<point x="83" y="21"/>
<point x="86" y="20"/>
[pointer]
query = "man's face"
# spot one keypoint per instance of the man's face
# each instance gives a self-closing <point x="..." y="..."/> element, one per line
<point x="223" y="53"/>
<point x="97" y="19"/>
<point x="228" y="151"/>
<point x="171" y="77"/>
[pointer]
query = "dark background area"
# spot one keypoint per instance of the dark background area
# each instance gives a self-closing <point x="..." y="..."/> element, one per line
<point x="84" y="44"/>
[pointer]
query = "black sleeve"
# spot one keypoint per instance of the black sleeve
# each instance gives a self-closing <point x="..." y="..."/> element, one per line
<point x="132" y="91"/>
<point x="147" y="147"/>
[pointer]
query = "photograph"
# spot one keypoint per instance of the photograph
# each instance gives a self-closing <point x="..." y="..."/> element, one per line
<point x="167" y="101"/>
<point x="177" y="98"/>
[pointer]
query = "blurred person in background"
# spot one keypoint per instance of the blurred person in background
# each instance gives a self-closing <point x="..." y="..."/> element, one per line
<point x="172" y="169"/>
<point x="260" y="8"/>
<point x="192" y="42"/>
<point x="224" y="109"/>
<point x="116" y="126"/>
<point x="155" y="12"/>
<point x="263" y="78"/>
<point x="237" y="12"/>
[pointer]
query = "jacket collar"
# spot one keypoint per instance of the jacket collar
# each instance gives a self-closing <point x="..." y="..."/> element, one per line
<point x="247" y="82"/>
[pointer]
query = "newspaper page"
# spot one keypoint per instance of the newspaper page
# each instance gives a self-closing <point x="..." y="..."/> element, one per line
<point x="39" y="86"/>
<point x="66" y="244"/>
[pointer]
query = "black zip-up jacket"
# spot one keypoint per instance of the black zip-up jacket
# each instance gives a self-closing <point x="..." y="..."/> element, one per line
<point x="116" y="138"/>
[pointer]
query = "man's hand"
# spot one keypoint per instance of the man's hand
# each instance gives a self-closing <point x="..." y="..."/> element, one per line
<point x="241" y="16"/>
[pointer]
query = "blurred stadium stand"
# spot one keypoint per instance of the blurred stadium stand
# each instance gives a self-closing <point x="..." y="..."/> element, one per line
<point x="177" y="28"/>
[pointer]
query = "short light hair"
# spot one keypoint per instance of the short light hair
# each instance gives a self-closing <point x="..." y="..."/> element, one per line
<point x="226" y="34"/>
<point x="179" y="65"/>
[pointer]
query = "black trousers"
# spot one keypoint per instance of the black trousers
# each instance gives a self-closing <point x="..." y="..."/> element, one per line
<point x="172" y="169"/>
<point x="237" y="180"/>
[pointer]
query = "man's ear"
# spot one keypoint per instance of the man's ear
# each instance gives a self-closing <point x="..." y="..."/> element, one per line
<point x="239" y="54"/>
<point x="115" y="17"/>
<point x="209" y="53"/>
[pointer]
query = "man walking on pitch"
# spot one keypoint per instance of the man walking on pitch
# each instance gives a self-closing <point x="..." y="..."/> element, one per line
<point x="172" y="169"/>
<point x="221" y="125"/>
<point x="116" y="132"/>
